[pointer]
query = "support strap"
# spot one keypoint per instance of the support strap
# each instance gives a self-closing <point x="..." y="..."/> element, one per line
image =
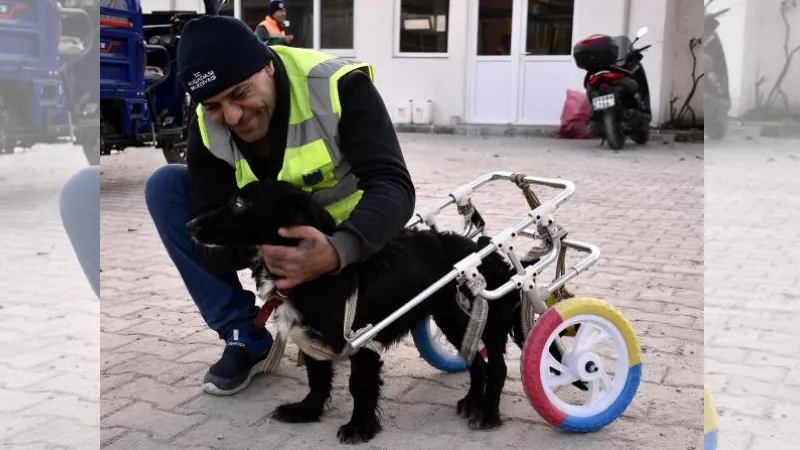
<point x="478" y="314"/>
<point x="311" y="347"/>
<point x="547" y="235"/>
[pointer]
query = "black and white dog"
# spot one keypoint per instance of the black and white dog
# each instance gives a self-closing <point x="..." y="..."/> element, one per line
<point x="406" y="266"/>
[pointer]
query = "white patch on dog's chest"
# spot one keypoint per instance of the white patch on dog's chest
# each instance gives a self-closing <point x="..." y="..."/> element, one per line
<point x="286" y="316"/>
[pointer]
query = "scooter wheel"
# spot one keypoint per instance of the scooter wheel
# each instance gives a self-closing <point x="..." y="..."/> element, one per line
<point x="434" y="348"/>
<point x="611" y="387"/>
<point x="709" y="421"/>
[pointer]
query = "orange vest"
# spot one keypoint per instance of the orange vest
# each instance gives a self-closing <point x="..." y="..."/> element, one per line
<point x="272" y="27"/>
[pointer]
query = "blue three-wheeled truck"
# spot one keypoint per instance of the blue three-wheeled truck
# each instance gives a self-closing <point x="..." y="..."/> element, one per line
<point x="49" y="79"/>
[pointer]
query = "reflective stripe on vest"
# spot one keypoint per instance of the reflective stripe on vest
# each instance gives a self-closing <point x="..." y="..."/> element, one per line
<point x="313" y="160"/>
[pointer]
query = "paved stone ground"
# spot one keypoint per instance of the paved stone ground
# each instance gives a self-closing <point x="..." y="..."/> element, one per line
<point x="49" y="316"/>
<point x="752" y="244"/>
<point x="643" y="207"/>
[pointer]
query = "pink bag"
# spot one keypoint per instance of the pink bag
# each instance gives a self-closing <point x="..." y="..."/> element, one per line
<point x="575" y="117"/>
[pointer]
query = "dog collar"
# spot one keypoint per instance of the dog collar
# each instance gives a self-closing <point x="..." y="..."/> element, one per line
<point x="283" y="293"/>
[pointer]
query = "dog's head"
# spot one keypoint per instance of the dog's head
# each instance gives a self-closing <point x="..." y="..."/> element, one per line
<point x="255" y="213"/>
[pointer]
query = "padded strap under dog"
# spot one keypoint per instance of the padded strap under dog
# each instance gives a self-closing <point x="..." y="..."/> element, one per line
<point x="313" y="347"/>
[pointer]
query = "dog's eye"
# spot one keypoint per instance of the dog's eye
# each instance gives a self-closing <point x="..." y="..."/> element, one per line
<point x="239" y="204"/>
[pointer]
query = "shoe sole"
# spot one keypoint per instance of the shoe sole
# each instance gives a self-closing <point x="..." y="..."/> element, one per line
<point x="211" y="388"/>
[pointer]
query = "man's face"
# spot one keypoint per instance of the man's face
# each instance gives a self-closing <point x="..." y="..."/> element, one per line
<point x="247" y="108"/>
<point x="280" y="15"/>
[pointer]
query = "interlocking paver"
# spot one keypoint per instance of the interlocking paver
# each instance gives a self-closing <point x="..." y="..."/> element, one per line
<point x="49" y="343"/>
<point x="643" y="207"/>
<point x="751" y="309"/>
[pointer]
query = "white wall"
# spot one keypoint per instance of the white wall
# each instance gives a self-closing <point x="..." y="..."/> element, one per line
<point x="688" y="24"/>
<point x="401" y="78"/>
<point x="752" y="35"/>
<point x="767" y="33"/>
<point x="443" y="79"/>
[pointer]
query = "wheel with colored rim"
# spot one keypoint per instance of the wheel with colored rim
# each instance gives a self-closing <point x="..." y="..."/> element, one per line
<point x="709" y="421"/>
<point x="434" y="348"/>
<point x="604" y="333"/>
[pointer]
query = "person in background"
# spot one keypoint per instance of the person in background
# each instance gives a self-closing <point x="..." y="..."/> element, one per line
<point x="270" y="30"/>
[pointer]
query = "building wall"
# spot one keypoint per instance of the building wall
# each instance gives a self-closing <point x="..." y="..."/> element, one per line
<point x="752" y="35"/>
<point x="444" y="80"/>
<point x="403" y="78"/>
<point x="687" y="25"/>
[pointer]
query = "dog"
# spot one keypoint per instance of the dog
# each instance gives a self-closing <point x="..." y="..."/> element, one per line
<point x="407" y="265"/>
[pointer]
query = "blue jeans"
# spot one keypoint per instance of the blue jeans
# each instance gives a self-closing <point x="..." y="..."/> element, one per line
<point x="223" y="303"/>
<point x="79" y="205"/>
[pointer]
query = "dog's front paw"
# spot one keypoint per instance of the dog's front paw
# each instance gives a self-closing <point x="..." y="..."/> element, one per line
<point x="296" y="413"/>
<point x="358" y="432"/>
<point x="466" y="406"/>
<point x="482" y="420"/>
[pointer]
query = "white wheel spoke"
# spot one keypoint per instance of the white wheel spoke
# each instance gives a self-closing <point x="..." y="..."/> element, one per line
<point x="607" y="381"/>
<point x="599" y="388"/>
<point x="594" y="392"/>
<point x="586" y="340"/>
<point x="565" y="375"/>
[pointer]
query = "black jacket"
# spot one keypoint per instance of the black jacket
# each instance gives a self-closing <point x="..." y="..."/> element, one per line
<point x="367" y="140"/>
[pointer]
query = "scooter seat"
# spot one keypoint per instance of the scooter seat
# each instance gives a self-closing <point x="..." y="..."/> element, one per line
<point x="153" y="74"/>
<point x="70" y="46"/>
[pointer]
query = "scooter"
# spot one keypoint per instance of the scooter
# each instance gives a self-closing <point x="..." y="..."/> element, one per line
<point x="617" y="88"/>
<point x="716" y="91"/>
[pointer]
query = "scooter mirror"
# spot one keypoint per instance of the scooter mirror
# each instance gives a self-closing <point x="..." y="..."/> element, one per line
<point x="641" y="33"/>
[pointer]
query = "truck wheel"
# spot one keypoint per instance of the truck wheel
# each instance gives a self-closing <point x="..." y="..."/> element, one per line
<point x="92" y="152"/>
<point x="175" y="154"/>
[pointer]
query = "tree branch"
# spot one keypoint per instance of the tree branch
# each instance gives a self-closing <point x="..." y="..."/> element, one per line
<point x="777" y="91"/>
<point x="686" y="107"/>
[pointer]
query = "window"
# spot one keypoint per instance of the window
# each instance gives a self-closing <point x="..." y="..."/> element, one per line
<point x="494" y="27"/>
<point x="423" y="26"/>
<point x="300" y="15"/>
<point x="334" y="21"/>
<point x="336" y="24"/>
<point x="549" y="27"/>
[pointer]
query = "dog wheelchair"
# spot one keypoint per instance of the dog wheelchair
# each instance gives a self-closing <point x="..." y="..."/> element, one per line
<point x="550" y="316"/>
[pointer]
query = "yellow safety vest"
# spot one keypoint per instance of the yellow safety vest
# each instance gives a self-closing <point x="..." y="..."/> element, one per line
<point x="313" y="160"/>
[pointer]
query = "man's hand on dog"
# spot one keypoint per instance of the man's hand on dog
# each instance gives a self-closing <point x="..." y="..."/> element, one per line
<point x="294" y="265"/>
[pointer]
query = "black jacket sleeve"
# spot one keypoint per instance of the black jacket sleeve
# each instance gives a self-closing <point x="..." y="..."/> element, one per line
<point x="211" y="185"/>
<point x="369" y="142"/>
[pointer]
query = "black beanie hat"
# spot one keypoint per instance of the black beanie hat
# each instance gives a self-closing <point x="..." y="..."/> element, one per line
<point x="217" y="52"/>
<point x="275" y="6"/>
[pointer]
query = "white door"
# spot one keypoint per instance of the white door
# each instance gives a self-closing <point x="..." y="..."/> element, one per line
<point x="546" y="68"/>
<point x="521" y="66"/>
<point x="494" y="65"/>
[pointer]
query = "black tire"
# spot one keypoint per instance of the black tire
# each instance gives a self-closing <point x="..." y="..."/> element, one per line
<point x="641" y="136"/>
<point x="175" y="154"/>
<point x="613" y="134"/>
<point x="92" y="152"/>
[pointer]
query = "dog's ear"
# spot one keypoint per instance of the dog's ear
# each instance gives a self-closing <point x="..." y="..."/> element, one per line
<point x="306" y="211"/>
